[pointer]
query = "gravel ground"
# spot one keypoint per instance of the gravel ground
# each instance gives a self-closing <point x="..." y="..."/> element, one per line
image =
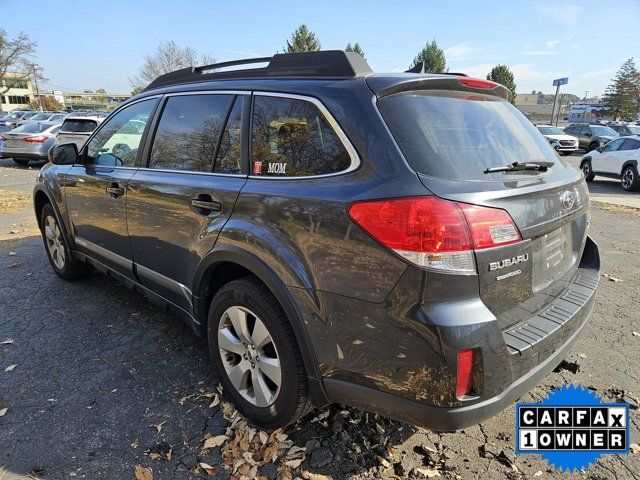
<point x="103" y="381"/>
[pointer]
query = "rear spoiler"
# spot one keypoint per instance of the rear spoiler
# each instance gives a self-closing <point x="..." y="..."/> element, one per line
<point x="384" y="86"/>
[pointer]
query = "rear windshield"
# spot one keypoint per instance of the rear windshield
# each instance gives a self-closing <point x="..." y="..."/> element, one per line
<point x="78" y="126"/>
<point x="551" y="131"/>
<point x="458" y="135"/>
<point x="31" y="128"/>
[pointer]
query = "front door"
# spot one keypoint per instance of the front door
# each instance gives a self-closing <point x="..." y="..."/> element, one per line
<point x="180" y="201"/>
<point x="96" y="189"/>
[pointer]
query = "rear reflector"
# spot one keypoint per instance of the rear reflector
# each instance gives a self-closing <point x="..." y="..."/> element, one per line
<point x="478" y="83"/>
<point x="464" y="383"/>
<point x="434" y="233"/>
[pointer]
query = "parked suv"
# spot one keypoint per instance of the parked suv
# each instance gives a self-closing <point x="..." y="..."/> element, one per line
<point x="405" y="243"/>
<point x="617" y="159"/>
<point x="591" y="137"/>
<point x="78" y="128"/>
<point x="562" y="143"/>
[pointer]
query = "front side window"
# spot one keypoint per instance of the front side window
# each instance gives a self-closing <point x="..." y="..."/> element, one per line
<point x="291" y="137"/>
<point x="188" y="132"/>
<point x="117" y="142"/>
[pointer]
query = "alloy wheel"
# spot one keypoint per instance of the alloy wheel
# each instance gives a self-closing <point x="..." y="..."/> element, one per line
<point x="249" y="356"/>
<point x="586" y="169"/>
<point x="627" y="179"/>
<point x="55" y="244"/>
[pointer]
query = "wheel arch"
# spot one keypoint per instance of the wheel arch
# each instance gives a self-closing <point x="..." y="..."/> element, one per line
<point x="633" y="163"/>
<point x="224" y="264"/>
<point x="41" y="196"/>
<point x="584" y="160"/>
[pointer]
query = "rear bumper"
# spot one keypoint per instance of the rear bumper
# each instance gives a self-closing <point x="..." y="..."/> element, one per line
<point x="513" y="363"/>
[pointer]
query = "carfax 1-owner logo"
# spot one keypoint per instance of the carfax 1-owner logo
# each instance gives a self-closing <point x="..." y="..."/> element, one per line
<point x="572" y="427"/>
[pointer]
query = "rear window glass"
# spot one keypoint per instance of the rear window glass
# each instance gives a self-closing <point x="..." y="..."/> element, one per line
<point x="31" y="128"/>
<point x="458" y="135"/>
<point x="78" y="126"/>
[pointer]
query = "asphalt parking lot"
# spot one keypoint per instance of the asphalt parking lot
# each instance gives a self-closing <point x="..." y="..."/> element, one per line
<point x="102" y="381"/>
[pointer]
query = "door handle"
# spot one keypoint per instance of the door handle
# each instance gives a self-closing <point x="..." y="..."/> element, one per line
<point x="208" y="205"/>
<point x="115" y="190"/>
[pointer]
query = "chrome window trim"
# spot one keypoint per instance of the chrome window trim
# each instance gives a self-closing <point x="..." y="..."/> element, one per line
<point x="192" y="172"/>
<point x="209" y="92"/>
<point x="353" y="154"/>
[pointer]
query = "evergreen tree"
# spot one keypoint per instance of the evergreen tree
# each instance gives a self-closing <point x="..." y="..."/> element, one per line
<point x="432" y="58"/>
<point x="302" y="40"/>
<point x="502" y="75"/>
<point x="622" y="96"/>
<point x="356" y="48"/>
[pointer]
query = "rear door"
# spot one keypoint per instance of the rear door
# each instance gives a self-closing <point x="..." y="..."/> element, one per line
<point x="187" y="189"/>
<point x="451" y="139"/>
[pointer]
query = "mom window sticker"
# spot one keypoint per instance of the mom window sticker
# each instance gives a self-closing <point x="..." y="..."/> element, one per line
<point x="572" y="427"/>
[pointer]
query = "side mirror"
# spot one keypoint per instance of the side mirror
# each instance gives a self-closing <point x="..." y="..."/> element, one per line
<point x="65" y="154"/>
<point x="587" y="134"/>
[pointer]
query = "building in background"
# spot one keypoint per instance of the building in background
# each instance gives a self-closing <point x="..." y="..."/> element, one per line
<point x="16" y="91"/>
<point x="530" y="104"/>
<point x="100" y="100"/>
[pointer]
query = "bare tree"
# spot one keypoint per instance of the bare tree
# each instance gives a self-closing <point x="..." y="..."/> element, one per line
<point x="14" y="53"/>
<point x="168" y="57"/>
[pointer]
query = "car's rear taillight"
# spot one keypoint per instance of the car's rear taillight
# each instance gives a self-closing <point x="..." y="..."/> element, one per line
<point x="434" y="233"/>
<point x="2" y="139"/>
<point x="464" y="377"/>
<point x="36" y="139"/>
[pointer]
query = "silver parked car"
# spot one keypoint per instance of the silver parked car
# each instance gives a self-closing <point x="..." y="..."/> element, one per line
<point x="31" y="141"/>
<point x="77" y="128"/>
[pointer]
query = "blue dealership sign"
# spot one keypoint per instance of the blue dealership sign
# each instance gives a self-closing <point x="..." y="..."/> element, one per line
<point x="560" y="81"/>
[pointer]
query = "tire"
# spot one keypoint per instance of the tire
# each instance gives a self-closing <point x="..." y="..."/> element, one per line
<point x="248" y="304"/>
<point x="587" y="171"/>
<point x="20" y="161"/>
<point x="629" y="179"/>
<point x="58" y="252"/>
<point x="593" y="146"/>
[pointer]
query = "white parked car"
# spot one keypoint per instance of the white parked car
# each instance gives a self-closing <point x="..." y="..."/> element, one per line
<point x="563" y="143"/>
<point x="617" y="159"/>
<point x="77" y="129"/>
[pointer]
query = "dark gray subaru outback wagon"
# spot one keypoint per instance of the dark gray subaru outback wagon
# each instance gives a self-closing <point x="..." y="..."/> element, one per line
<point x="407" y="244"/>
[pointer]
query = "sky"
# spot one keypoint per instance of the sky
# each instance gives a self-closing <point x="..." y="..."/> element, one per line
<point x="101" y="44"/>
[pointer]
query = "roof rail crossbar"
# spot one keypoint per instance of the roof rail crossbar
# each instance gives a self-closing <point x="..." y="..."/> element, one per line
<point x="322" y="64"/>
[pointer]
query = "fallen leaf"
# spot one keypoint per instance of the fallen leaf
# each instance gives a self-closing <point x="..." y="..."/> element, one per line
<point x="314" y="476"/>
<point x="143" y="473"/>
<point x="8" y="341"/>
<point x="611" y="278"/>
<point x="216" y="401"/>
<point x="582" y="355"/>
<point x="263" y="437"/>
<point x="3" y="411"/>
<point x="538" y="473"/>
<point x="213" y="471"/>
<point x="13" y="265"/>
<point x="134" y="444"/>
<point x="214" y="442"/>
<point x="155" y="456"/>
<point x="635" y="334"/>
<point x="634" y="447"/>
<point x="340" y="354"/>
<point x="158" y="427"/>
<point x="10" y="367"/>
<point x="428" y="472"/>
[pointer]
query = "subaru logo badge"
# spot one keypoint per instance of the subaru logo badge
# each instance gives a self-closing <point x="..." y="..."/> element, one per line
<point x="568" y="198"/>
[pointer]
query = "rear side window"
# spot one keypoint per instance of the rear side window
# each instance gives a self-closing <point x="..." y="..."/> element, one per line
<point x="291" y="137"/>
<point x="630" y="144"/>
<point x="188" y="132"/>
<point x="458" y="135"/>
<point x="78" y="126"/>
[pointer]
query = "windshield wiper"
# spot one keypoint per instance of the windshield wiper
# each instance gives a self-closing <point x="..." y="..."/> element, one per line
<point x="520" y="166"/>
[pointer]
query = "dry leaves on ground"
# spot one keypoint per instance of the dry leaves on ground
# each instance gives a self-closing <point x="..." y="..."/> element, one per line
<point x="12" y="201"/>
<point x="3" y="411"/>
<point x="611" y="278"/>
<point x="8" y="341"/>
<point x="245" y="449"/>
<point x="10" y="367"/>
<point x="13" y="265"/>
<point x="143" y="473"/>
